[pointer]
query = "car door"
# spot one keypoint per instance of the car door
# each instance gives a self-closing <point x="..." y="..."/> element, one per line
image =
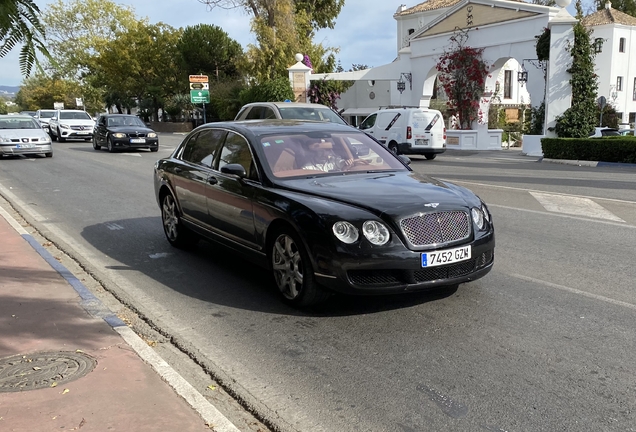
<point x="100" y="130"/>
<point x="229" y="197"/>
<point x="190" y="178"/>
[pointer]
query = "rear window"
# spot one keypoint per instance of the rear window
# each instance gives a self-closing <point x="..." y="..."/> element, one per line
<point x="311" y="113"/>
<point x="425" y="120"/>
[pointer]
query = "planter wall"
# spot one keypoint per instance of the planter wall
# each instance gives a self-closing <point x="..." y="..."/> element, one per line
<point x="171" y="127"/>
<point x="470" y="139"/>
<point x="532" y="145"/>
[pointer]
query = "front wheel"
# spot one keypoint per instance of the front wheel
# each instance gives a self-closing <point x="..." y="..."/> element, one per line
<point x="49" y="154"/>
<point x="178" y="235"/>
<point x="110" y="145"/>
<point x="154" y="149"/>
<point x="292" y="271"/>
<point x="430" y="156"/>
<point x="59" y="136"/>
<point x="95" y="145"/>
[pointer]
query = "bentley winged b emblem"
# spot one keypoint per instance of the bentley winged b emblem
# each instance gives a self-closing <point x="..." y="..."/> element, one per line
<point x="432" y="205"/>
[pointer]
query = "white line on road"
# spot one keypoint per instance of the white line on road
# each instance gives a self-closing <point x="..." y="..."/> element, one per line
<point x="575" y="291"/>
<point x="574" y="205"/>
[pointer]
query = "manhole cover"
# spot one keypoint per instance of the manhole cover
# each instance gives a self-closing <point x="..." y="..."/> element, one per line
<point x="43" y="369"/>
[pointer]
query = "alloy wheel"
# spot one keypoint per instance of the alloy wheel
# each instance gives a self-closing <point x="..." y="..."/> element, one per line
<point x="287" y="266"/>
<point x="170" y="218"/>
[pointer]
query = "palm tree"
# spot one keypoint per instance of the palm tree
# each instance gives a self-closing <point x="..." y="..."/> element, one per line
<point x="20" y="23"/>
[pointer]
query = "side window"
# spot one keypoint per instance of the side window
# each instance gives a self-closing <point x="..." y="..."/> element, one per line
<point x="254" y="114"/>
<point x="188" y="147"/>
<point x="368" y="122"/>
<point x="241" y="114"/>
<point x="204" y="147"/>
<point x="268" y="113"/>
<point x="237" y="151"/>
<point x="102" y="120"/>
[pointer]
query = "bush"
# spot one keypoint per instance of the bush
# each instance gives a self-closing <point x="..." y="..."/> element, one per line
<point x="606" y="149"/>
<point x="276" y="90"/>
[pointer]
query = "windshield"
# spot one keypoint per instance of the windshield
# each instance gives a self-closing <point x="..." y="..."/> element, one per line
<point x="75" y="115"/>
<point x="125" y="121"/>
<point x="21" y="123"/>
<point x="311" y="113"/>
<point x="309" y="154"/>
<point x="47" y="114"/>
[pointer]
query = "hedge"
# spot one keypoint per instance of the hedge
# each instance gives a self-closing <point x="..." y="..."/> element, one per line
<point x="603" y="149"/>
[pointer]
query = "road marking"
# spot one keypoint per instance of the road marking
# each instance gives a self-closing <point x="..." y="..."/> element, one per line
<point x="130" y="154"/>
<point x="575" y="291"/>
<point x="534" y="190"/>
<point x="574" y="205"/>
<point x="113" y="226"/>
<point x="561" y="215"/>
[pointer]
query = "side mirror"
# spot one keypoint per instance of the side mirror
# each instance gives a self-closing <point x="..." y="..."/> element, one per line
<point x="405" y="159"/>
<point x="234" y="169"/>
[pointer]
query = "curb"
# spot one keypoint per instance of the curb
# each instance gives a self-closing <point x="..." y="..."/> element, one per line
<point x="593" y="164"/>
<point x="208" y="412"/>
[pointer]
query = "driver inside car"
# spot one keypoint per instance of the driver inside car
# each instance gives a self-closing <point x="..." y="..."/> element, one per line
<point x="320" y="156"/>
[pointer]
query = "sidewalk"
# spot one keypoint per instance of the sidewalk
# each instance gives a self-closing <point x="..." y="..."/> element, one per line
<point x="85" y="372"/>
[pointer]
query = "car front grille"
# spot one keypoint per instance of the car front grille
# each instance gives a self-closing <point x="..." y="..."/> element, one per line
<point x="81" y="128"/>
<point x="436" y="228"/>
<point x="22" y="140"/>
<point x="136" y="135"/>
<point x="392" y="278"/>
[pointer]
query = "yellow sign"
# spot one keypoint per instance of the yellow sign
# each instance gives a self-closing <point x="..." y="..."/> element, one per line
<point x="198" y="78"/>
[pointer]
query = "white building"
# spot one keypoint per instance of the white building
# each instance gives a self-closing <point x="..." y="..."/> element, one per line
<point x="506" y="31"/>
<point x="615" y="36"/>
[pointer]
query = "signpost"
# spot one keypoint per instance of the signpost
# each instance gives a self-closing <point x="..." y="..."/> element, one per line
<point x="200" y="91"/>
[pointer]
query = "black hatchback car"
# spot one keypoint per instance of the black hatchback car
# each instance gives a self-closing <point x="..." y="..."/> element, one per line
<point x="123" y="131"/>
<point x="324" y="206"/>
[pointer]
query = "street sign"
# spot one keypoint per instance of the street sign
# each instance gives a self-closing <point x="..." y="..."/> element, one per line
<point x="198" y="78"/>
<point x="79" y="102"/>
<point x="200" y="96"/>
<point x="199" y="86"/>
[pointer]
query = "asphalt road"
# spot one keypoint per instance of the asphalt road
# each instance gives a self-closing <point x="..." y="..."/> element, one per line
<point x="545" y="342"/>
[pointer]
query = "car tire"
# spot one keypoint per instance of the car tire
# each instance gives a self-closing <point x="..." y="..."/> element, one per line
<point x="154" y="149"/>
<point x="110" y="145"/>
<point x="177" y="234"/>
<point x="52" y="135"/>
<point x="95" y="145"/>
<point x="430" y="156"/>
<point x="394" y="148"/>
<point x="60" y="138"/>
<point x="49" y="154"/>
<point x="292" y="270"/>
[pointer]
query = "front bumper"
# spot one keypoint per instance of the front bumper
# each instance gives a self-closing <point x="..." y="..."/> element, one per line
<point x="125" y="143"/>
<point x="14" y="150"/>
<point x="73" y="134"/>
<point x="400" y="270"/>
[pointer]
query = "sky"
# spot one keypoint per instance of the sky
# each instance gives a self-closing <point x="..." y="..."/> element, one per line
<point x="365" y="31"/>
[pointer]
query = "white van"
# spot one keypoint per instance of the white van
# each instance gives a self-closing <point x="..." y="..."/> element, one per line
<point x="408" y="130"/>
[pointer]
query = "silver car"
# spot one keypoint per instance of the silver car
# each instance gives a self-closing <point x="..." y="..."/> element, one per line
<point x="23" y="135"/>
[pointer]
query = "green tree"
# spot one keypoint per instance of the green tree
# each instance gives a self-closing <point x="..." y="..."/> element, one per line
<point x="274" y="90"/>
<point x="140" y="63"/>
<point x="78" y="29"/>
<point x="20" y="24"/>
<point x="3" y="106"/>
<point x="207" y="49"/>
<point x="579" y="120"/>
<point x="40" y="92"/>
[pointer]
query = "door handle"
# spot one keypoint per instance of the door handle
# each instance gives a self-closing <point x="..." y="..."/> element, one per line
<point x="212" y="180"/>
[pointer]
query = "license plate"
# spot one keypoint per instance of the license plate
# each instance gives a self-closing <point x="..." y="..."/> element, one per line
<point x="24" y="146"/>
<point x="137" y="141"/>
<point x="82" y="132"/>
<point x="449" y="256"/>
<point x="421" y="142"/>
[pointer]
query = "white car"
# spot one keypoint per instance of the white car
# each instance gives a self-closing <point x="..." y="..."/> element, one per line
<point x="22" y="135"/>
<point x="71" y="124"/>
<point x="604" y="131"/>
<point x="44" y="116"/>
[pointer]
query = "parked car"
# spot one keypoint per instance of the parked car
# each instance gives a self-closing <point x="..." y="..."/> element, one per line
<point x="23" y="135"/>
<point x="30" y="113"/>
<point x="71" y="124"/>
<point x="296" y="198"/>
<point x="605" y="131"/>
<point x="123" y="131"/>
<point x="44" y="116"/>
<point x="408" y="130"/>
<point x="627" y="132"/>
<point x="289" y="110"/>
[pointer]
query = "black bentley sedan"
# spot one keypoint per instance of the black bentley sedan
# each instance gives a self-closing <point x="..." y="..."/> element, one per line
<point x="325" y="207"/>
<point x="123" y="131"/>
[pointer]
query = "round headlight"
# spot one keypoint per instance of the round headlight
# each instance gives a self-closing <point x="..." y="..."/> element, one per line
<point x="345" y="232"/>
<point x="478" y="217"/>
<point x="375" y="232"/>
<point x="485" y="211"/>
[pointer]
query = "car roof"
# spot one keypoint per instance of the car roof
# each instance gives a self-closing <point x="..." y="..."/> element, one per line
<point x="290" y="104"/>
<point x="118" y="115"/>
<point x="268" y="127"/>
<point x="16" y="116"/>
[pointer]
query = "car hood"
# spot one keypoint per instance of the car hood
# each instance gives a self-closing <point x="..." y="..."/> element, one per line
<point x="128" y="129"/>
<point x="396" y="194"/>
<point x="77" y="122"/>
<point x="23" y="133"/>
